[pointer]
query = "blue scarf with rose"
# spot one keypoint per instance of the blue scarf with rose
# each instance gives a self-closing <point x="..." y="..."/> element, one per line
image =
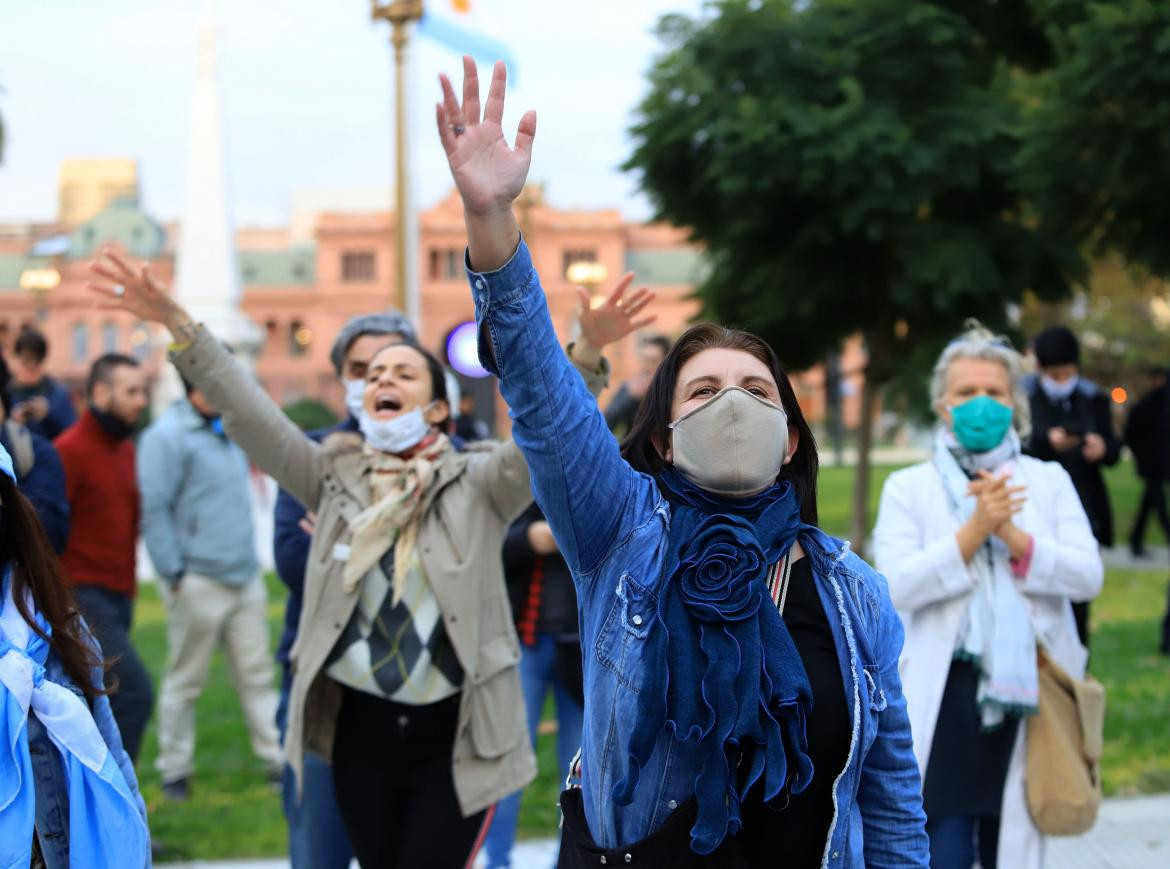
<point x="721" y="633"/>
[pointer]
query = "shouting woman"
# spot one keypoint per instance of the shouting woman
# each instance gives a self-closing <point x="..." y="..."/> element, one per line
<point x="405" y="663"/>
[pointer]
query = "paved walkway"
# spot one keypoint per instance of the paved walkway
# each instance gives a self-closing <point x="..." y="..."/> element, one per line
<point x="1131" y="833"/>
<point x="1156" y="558"/>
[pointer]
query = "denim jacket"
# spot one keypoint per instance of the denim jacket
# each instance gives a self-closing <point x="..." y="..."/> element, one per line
<point x="50" y="781"/>
<point x="612" y="525"/>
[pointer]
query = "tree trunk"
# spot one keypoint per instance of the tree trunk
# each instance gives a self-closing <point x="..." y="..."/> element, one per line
<point x="870" y="393"/>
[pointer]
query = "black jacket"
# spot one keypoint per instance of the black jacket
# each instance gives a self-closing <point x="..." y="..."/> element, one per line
<point x="1085" y="411"/>
<point x="540" y="587"/>
<point x="1147" y="434"/>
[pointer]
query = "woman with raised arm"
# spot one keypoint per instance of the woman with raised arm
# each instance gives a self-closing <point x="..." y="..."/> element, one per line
<point x="405" y="664"/>
<point x="742" y="699"/>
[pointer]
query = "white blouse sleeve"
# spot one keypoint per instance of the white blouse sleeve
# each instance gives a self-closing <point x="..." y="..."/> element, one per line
<point x="920" y="572"/>
<point x="1066" y="560"/>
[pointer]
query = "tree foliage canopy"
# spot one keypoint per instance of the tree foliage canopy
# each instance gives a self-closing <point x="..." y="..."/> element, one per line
<point x="1097" y="154"/>
<point x="849" y="166"/>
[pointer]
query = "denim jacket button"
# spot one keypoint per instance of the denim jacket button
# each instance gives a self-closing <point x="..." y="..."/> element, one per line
<point x="637" y="619"/>
<point x="479" y="286"/>
<point x="672" y="805"/>
<point x="603" y="860"/>
<point x="836" y="854"/>
<point x="629" y="858"/>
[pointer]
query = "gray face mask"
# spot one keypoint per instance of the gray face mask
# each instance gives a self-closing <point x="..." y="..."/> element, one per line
<point x="733" y="445"/>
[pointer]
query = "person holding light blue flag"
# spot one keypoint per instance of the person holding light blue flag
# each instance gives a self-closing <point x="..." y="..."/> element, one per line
<point x="68" y="793"/>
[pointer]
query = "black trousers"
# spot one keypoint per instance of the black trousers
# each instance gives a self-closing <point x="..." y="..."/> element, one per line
<point x="394" y="787"/>
<point x="1153" y="501"/>
<point x="668" y="847"/>
<point x="108" y="615"/>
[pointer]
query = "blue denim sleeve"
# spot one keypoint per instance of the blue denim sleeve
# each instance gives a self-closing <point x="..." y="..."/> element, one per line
<point x="591" y="498"/>
<point x="44" y="486"/>
<point x="889" y="791"/>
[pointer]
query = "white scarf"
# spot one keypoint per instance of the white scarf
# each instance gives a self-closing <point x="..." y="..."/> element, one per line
<point x="997" y="633"/>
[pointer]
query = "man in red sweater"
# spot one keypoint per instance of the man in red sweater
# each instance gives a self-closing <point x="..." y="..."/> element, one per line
<point x="102" y="488"/>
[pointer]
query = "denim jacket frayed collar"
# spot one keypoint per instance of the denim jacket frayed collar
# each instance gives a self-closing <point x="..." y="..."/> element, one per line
<point x="612" y="526"/>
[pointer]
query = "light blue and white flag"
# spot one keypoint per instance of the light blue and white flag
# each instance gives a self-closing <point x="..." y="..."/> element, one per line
<point x="465" y="41"/>
<point x="105" y="827"/>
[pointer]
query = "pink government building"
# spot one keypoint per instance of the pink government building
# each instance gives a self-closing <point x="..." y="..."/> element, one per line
<point x="300" y="286"/>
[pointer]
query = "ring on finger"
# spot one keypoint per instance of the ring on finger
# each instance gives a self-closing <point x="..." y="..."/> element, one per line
<point x="458" y="129"/>
<point x="119" y="290"/>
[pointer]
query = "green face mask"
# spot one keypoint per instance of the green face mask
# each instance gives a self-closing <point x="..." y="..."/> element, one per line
<point x="980" y="423"/>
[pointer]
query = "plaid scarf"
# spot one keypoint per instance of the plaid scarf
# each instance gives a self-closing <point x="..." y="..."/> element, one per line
<point x="397" y="487"/>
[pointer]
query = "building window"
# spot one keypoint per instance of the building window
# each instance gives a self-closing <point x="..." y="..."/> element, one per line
<point x="80" y="343"/>
<point x="300" y="337"/>
<point x="357" y="266"/>
<point x="579" y="255"/>
<point x="446" y="264"/>
<point x="110" y="338"/>
<point x="140" y="341"/>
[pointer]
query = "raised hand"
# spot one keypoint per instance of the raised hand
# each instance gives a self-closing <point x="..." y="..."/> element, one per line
<point x="488" y="173"/>
<point x="121" y="286"/>
<point x="617" y="316"/>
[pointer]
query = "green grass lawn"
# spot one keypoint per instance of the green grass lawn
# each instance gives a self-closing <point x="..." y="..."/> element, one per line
<point x="233" y="813"/>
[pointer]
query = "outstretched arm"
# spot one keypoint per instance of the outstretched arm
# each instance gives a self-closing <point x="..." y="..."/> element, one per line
<point x="589" y="495"/>
<point x="250" y="417"/>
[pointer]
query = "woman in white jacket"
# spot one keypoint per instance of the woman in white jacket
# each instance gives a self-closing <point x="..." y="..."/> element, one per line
<point x="984" y="549"/>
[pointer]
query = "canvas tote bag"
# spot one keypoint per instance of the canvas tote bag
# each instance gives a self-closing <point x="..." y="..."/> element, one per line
<point x="1065" y="739"/>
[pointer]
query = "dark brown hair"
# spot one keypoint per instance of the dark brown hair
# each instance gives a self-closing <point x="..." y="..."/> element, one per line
<point x="651" y="425"/>
<point x="25" y="548"/>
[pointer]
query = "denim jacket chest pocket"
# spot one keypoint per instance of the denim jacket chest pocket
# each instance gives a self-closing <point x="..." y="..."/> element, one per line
<point x="622" y="640"/>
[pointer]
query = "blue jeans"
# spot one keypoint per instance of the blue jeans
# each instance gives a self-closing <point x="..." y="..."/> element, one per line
<point x="537" y="673"/>
<point x="316" y="835"/>
<point x="954" y="840"/>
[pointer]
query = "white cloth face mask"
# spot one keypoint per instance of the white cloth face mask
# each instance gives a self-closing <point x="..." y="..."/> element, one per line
<point x="732" y="445"/>
<point x="355" y="393"/>
<point x="395" y="435"/>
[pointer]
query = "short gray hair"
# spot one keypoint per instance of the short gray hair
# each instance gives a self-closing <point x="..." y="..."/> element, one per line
<point x="389" y="322"/>
<point x="978" y="342"/>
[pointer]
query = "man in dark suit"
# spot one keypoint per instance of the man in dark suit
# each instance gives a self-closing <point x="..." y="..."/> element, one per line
<point x="1072" y="425"/>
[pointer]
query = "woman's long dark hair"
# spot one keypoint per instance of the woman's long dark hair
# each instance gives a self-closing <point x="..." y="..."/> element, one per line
<point x="651" y="431"/>
<point x="25" y="548"/>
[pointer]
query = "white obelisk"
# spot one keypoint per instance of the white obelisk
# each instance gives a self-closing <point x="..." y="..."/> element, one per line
<point x="207" y="280"/>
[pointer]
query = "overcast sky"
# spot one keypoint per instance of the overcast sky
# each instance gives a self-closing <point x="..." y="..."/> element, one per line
<point x="307" y="96"/>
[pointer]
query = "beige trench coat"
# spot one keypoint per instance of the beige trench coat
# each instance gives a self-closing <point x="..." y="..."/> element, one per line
<point x="467" y="512"/>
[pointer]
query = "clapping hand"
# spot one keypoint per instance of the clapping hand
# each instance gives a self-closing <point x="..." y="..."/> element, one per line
<point x="996" y="502"/>
<point x="617" y="316"/>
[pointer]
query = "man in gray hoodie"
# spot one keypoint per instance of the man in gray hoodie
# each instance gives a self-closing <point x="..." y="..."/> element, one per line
<point x="197" y="524"/>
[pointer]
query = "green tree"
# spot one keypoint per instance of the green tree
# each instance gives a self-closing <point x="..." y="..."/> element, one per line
<point x="1097" y="153"/>
<point x="310" y="414"/>
<point x="850" y="167"/>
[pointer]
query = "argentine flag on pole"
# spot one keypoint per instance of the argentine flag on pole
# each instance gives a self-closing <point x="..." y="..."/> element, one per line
<point x="464" y="39"/>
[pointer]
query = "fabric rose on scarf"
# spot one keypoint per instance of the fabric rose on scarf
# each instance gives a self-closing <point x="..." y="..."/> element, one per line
<point x="718" y="572"/>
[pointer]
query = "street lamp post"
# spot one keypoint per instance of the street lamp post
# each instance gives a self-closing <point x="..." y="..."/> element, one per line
<point x="401" y="14"/>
